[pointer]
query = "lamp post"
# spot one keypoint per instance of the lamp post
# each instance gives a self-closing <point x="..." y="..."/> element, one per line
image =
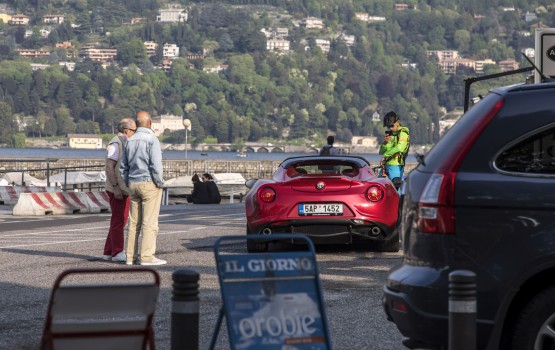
<point x="187" y="125"/>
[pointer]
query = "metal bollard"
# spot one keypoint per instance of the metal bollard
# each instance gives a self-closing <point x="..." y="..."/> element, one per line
<point x="462" y="310"/>
<point x="185" y="310"/>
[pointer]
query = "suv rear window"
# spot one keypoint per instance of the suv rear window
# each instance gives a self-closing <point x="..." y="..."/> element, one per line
<point x="463" y="129"/>
<point x="533" y="155"/>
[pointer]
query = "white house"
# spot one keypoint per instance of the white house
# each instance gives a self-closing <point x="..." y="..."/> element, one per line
<point x="312" y="23"/>
<point x="323" y="44"/>
<point x="170" y="51"/>
<point x="167" y="122"/>
<point x="53" y="19"/>
<point x="174" y="13"/>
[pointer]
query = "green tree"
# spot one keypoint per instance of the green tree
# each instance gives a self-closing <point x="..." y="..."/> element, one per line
<point x="64" y="121"/>
<point x="132" y="52"/>
<point x="8" y="125"/>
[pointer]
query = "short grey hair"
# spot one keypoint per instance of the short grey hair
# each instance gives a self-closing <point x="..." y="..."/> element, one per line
<point x="126" y="123"/>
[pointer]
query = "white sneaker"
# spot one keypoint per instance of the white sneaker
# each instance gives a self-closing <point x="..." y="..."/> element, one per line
<point x="155" y="261"/>
<point x="107" y="257"/>
<point x="120" y="257"/>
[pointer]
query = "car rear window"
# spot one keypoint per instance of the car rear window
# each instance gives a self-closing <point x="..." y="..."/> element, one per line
<point x="322" y="167"/>
<point x="461" y="130"/>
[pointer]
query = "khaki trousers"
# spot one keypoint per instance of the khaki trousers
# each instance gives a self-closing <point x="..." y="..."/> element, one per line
<point x="146" y="199"/>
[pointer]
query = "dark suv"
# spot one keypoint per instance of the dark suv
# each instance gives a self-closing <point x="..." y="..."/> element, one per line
<point x="483" y="199"/>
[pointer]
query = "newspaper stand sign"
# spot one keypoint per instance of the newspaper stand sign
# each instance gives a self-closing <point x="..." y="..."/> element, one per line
<point x="271" y="300"/>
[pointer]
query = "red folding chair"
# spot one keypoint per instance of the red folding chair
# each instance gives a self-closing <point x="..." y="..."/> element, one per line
<point x="115" y="313"/>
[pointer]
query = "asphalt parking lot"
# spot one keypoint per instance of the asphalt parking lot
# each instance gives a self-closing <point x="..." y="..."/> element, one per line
<point x="35" y="250"/>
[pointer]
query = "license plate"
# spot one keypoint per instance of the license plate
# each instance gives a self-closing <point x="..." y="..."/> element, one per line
<point x="321" y="209"/>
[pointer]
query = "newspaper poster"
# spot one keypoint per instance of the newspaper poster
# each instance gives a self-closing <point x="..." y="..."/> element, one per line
<point x="272" y="301"/>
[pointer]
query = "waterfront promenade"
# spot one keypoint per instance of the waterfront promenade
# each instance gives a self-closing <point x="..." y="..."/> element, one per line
<point x="35" y="250"/>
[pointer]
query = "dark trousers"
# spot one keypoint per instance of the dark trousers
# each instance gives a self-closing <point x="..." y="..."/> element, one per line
<point x="120" y="214"/>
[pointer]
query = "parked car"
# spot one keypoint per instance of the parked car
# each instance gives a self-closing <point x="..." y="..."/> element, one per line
<point x="331" y="199"/>
<point x="483" y="199"/>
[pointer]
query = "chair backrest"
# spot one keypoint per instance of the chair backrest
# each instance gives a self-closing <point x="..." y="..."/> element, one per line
<point x="116" y="313"/>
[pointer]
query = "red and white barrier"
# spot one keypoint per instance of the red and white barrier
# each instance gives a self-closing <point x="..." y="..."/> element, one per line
<point x="10" y="194"/>
<point x="60" y="203"/>
<point x="98" y="202"/>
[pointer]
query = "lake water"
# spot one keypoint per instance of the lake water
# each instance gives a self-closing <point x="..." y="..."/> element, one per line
<point x="44" y="153"/>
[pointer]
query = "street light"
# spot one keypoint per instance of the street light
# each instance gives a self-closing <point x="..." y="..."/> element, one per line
<point x="187" y="125"/>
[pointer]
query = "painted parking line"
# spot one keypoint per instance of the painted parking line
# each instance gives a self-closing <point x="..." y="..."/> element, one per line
<point x="7" y="240"/>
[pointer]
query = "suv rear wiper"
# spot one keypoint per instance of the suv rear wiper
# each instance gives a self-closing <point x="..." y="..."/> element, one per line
<point x="420" y="158"/>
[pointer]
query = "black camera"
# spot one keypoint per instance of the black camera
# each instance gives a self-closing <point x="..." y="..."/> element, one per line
<point x="388" y="133"/>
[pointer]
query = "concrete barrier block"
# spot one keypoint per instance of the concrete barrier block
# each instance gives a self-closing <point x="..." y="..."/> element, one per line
<point x="98" y="202"/>
<point x="10" y="194"/>
<point x="47" y="203"/>
<point x="61" y="203"/>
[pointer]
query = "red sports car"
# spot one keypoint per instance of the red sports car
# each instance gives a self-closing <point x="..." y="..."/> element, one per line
<point x="331" y="199"/>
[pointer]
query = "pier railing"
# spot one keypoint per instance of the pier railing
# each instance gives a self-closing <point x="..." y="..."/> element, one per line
<point x="260" y="169"/>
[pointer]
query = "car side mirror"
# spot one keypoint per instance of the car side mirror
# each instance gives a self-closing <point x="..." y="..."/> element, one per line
<point x="249" y="183"/>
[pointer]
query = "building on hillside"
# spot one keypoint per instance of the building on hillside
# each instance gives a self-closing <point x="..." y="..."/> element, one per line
<point x="166" y="65"/>
<point x="362" y="16"/>
<point x="364" y="141"/>
<point x="530" y="16"/>
<point x="450" y="66"/>
<point x="44" y="33"/>
<point x="65" y="44"/>
<point x="195" y="56"/>
<point x="38" y="66"/>
<point x="138" y="20"/>
<point x="349" y="40"/>
<point x="281" y="45"/>
<point x="401" y="7"/>
<point x="170" y="51"/>
<point x="70" y="66"/>
<point x="443" y="54"/>
<point x="88" y="141"/>
<point x="167" y="122"/>
<point x="376" y="19"/>
<point x="479" y="65"/>
<point x="215" y="69"/>
<point x="174" y="13"/>
<point x="19" y="20"/>
<point x="150" y="47"/>
<point x="53" y="19"/>
<point x="508" y="65"/>
<point x="32" y="53"/>
<point x="312" y="23"/>
<point x="99" y="55"/>
<point x="324" y="45"/>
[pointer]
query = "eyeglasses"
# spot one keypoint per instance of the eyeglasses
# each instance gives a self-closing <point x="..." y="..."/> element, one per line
<point x="390" y="126"/>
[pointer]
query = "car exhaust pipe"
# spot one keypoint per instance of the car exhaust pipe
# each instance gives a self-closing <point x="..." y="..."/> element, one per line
<point x="267" y="231"/>
<point x="374" y="231"/>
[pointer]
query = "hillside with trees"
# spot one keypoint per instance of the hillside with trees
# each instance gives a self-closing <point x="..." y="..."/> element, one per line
<point x="298" y="96"/>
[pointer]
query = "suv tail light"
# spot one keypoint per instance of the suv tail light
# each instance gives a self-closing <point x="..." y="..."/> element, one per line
<point x="436" y="207"/>
<point x="436" y="211"/>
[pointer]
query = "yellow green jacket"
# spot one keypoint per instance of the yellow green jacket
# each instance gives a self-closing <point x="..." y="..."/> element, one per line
<point x="394" y="150"/>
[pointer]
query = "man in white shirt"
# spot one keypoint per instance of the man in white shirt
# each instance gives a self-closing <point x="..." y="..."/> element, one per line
<point x="117" y="192"/>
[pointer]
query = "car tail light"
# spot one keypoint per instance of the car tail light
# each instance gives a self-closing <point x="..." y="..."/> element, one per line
<point x="267" y="194"/>
<point x="374" y="193"/>
<point x="436" y="207"/>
